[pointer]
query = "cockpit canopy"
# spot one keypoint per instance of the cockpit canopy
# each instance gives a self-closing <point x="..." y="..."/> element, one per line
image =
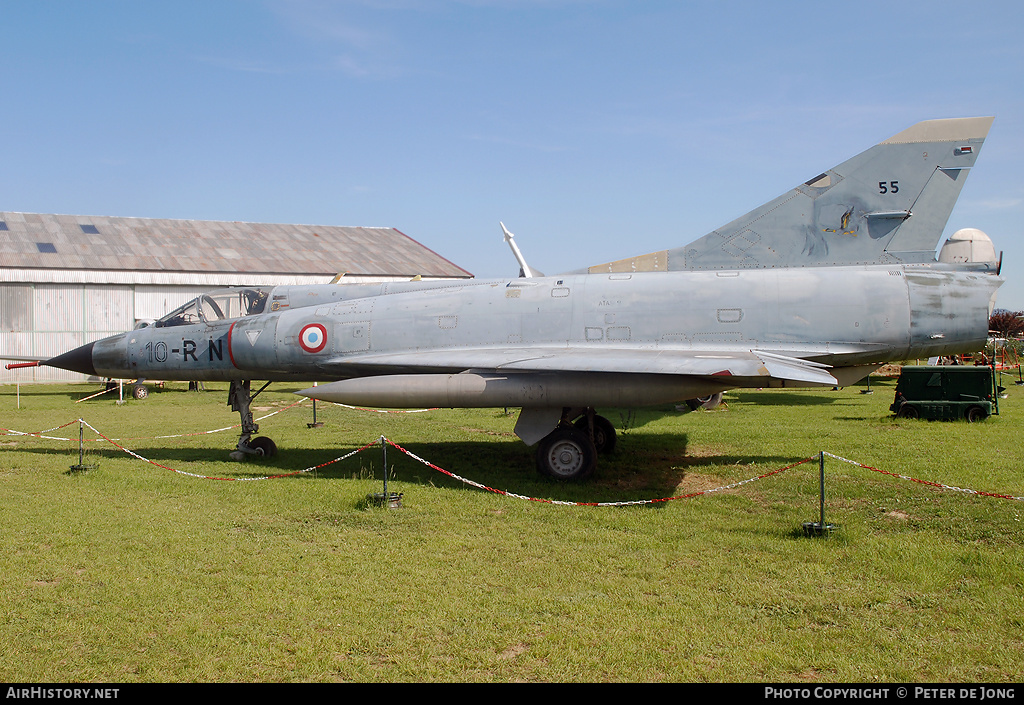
<point x="222" y="305"/>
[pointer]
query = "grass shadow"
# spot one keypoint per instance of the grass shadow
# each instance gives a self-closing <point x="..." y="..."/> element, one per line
<point x="643" y="467"/>
<point x="789" y="398"/>
<point x="657" y="469"/>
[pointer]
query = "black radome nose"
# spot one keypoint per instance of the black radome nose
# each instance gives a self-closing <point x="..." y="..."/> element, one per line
<point x="77" y="360"/>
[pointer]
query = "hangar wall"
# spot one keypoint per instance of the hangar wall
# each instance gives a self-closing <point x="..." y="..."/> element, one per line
<point x="42" y="320"/>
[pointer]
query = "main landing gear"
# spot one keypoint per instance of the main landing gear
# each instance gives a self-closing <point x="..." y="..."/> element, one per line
<point x="240" y="399"/>
<point x="570" y="451"/>
<point x="711" y="401"/>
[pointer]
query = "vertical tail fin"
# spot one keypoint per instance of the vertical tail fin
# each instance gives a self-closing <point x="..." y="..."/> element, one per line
<point x="888" y="204"/>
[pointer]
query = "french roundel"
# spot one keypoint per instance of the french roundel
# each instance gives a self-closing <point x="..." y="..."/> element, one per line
<point x="313" y="338"/>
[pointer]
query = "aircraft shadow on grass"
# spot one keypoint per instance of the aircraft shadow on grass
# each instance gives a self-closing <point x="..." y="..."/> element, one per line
<point x="790" y="398"/>
<point x="652" y="468"/>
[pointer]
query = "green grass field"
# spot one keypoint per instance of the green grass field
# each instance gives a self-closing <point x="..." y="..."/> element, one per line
<point x="131" y="572"/>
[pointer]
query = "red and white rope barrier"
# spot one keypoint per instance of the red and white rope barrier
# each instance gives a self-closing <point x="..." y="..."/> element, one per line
<point x="12" y="432"/>
<point x="923" y="482"/>
<point x="312" y="468"/>
<point x="589" y="504"/>
<point x="478" y="485"/>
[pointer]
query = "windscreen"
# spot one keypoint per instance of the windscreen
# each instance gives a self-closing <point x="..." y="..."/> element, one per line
<point x="225" y="304"/>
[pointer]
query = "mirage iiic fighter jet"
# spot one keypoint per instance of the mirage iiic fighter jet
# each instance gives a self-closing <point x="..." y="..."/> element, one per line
<point x="815" y="288"/>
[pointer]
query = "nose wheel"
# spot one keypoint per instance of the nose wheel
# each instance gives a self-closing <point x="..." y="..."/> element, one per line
<point x="240" y="400"/>
<point x="263" y="447"/>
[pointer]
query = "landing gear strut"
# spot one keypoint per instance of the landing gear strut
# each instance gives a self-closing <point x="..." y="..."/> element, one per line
<point x="570" y="451"/>
<point x="599" y="429"/>
<point x="711" y="401"/>
<point x="240" y="399"/>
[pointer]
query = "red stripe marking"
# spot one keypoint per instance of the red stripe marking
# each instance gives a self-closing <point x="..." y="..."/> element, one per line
<point x="231" y="355"/>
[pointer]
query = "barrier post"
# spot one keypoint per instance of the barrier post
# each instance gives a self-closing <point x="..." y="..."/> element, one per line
<point x="391" y="500"/>
<point x="81" y="467"/>
<point x="820" y="528"/>
<point x="315" y="424"/>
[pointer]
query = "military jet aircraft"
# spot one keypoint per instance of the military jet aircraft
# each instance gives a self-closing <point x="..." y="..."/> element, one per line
<point x="815" y="288"/>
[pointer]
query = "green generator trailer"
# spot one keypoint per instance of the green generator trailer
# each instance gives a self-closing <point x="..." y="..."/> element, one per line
<point x="946" y="392"/>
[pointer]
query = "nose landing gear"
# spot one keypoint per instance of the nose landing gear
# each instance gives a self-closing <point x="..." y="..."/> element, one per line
<point x="240" y="400"/>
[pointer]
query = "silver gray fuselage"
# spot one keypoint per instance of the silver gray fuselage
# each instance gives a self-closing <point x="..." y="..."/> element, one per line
<point x="840" y="315"/>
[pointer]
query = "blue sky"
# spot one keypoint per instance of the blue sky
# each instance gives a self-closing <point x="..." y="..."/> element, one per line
<point x="595" y="129"/>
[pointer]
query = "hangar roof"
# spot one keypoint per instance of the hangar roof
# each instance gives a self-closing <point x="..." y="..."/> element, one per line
<point x="80" y="242"/>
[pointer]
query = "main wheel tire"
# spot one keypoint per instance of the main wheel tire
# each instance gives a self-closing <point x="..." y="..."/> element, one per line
<point x="908" y="412"/>
<point x="566" y="454"/>
<point x="975" y="413"/>
<point x="263" y="446"/>
<point x="604" y="433"/>
<point x="140" y="391"/>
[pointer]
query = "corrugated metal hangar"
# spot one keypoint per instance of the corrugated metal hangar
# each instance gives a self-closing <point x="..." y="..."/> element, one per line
<point x="66" y="280"/>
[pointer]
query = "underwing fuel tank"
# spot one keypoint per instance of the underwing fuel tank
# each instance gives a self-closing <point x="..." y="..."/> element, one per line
<point x="470" y="390"/>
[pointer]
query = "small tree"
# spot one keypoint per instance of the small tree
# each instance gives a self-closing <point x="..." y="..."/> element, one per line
<point x="1006" y="324"/>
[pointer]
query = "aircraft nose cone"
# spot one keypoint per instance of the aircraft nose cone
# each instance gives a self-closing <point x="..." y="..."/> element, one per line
<point x="77" y="360"/>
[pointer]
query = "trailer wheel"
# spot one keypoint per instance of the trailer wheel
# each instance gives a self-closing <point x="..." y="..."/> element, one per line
<point x="907" y="412"/>
<point x="975" y="413"/>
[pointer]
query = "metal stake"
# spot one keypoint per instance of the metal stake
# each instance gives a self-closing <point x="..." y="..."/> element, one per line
<point x="81" y="451"/>
<point x="315" y="424"/>
<point x="391" y="500"/>
<point x="821" y="485"/>
<point x="819" y="528"/>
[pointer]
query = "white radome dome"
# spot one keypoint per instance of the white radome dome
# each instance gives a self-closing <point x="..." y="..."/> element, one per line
<point x="968" y="245"/>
